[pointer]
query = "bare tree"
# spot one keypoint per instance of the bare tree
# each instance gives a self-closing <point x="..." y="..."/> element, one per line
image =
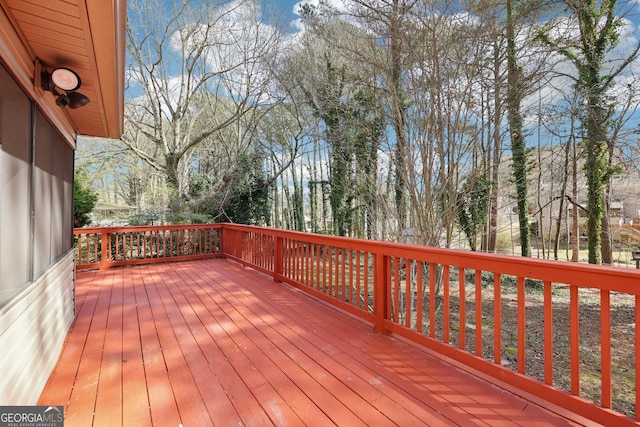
<point x="194" y="70"/>
<point x="597" y="28"/>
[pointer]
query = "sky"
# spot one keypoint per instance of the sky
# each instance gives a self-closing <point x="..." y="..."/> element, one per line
<point x="288" y="6"/>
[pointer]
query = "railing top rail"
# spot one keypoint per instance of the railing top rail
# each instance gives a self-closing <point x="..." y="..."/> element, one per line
<point x="133" y="228"/>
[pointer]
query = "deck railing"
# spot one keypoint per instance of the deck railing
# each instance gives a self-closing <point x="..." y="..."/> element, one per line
<point x="557" y="331"/>
<point x="118" y="246"/>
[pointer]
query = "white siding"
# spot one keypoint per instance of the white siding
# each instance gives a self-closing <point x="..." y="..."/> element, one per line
<point x="33" y="328"/>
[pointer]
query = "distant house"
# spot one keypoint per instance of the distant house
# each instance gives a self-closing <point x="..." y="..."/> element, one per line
<point x="55" y="56"/>
<point x="106" y="214"/>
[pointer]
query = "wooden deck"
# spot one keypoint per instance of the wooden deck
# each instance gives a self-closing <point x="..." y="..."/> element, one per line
<point x="203" y="343"/>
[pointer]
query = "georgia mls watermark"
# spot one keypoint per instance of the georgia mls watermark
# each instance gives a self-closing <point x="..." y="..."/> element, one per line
<point x="31" y="416"/>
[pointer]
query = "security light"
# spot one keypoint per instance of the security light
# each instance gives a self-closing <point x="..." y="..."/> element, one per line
<point x="63" y="82"/>
<point x="65" y="79"/>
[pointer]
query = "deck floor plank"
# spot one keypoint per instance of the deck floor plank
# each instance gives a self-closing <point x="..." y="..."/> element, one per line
<point x="211" y="343"/>
<point x="214" y="396"/>
<point x="81" y="405"/>
<point x="162" y="403"/>
<point x="109" y="393"/>
<point x="346" y="338"/>
<point x="135" y="398"/>
<point x="247" y="388"/>
<point x="331" y="405"/>
<point x="323" y="367"/>
<point x="262" y="353"/>
<point x="189" y="400"/>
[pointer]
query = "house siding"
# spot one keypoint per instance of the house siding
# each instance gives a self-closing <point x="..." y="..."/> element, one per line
<point x="33" y="328"/>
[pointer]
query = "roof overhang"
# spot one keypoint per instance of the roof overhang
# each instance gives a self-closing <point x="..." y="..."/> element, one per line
<point x="86" y="36"/>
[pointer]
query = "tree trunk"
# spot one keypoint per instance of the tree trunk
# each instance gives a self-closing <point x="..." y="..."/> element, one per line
<point x="398" y="117"/>
<point x="606" y="250"/>
<point x="595" y="168"/>
<point x="575" y="216"/>
<point x="514" y="97"/>
<point x="497" y="150"/>
<point x="296" y="202"/>
<point x="563" y="193"/>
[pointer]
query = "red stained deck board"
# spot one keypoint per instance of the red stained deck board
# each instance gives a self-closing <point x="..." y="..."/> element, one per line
<point x="238" y="376"/>
<point x="81" y="406"/>
<point x="323" y="369"/>
<point x="392" y="367"/>
<point x="162" y="403"/>
<point x="333" y="407"/>
<point x="135" y="400"/>
<point x="347" y="339"/>
<point x="246" y="385"/>
<point x="260" y="353"/>
<point x="188" y="397"/>
<point x="213" y="395"/>
<point x="109" y="393"/>
<point x="209" y="342"/>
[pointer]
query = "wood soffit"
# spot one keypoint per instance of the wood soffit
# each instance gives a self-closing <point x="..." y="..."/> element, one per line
<point x="87" y="36"/>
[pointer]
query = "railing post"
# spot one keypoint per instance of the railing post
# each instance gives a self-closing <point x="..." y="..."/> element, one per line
<point x="221" y="240"/>
<point x="105" y="243"/>
<point x="277" y="260"/>
<point x="380" y="292"/>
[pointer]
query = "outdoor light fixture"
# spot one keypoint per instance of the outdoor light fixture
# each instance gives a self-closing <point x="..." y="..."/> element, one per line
<point x="63" y="82"/>
<point x="65" y="79"/>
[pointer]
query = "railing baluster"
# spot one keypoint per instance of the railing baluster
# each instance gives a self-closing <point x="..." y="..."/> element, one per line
<point x="331" y="290"/>
<point x="366" y="256"/>
<point x="297" y="261"/>
<point x="293" y="258"/>
<point x="130" y="254"/>
<point x="307" y="259"/>
<point x="420" y="297"/>
<point x="353" y="295"/>
<point x="432" y="300"/>
<point x="324" y="268"/>
<point x="548" y="334"/>
<point x="408" y="291"/>
<point x="605" y="346"/>
<point x="462" y="303"/>
<point x="339" y="284"/>
<point x="358" y="280"/>
<point x="446" y="324"/>
<point x="478" y="289"/>
<point x="522" y="326"/>
<point x="497" y="318"/>
<point x="396" y="289"/>
<point x="574" y="339"/>
<point x="300" y="263"/>
<point x="104" y="249"/>
<point x="343" y="273"/>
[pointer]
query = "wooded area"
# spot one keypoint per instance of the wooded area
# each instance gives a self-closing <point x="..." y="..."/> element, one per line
<point x="453" y="124"/>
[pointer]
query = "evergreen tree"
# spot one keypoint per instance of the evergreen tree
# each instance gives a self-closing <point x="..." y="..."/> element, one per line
<point x="84" y="199"/>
